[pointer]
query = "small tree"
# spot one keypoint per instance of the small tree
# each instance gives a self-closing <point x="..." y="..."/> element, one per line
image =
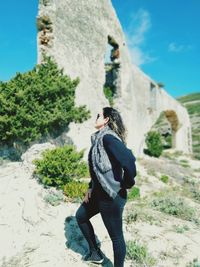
<point x="154" y="144"/>
<point x="38" y="103"/>
<point x="60" y="166"/>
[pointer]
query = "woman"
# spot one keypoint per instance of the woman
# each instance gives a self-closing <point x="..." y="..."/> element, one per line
<point x="112" y="170"/>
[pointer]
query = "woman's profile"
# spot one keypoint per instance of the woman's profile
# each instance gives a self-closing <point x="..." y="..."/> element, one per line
<point x="112" y="170"/>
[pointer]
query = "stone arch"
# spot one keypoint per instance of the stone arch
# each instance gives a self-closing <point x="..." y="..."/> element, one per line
<point x="112" y="85"/>
<point x="167" y="124"/>
<point x="172" y="117"/>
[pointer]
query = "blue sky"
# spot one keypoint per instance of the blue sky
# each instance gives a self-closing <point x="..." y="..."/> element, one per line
<point x="163" y="38"/>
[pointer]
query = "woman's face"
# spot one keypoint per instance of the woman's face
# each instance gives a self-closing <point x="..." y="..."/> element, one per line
<point x="100" y="121"/>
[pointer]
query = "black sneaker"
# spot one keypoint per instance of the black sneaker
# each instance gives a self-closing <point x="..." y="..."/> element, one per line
<point x="95" y="256"/>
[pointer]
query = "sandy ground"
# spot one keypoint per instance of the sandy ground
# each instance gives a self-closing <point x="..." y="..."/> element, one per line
<point x="35" y="233"/>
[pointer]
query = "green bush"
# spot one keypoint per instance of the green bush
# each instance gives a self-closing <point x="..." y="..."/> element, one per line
<point x="168" y="141"/>
<point x="176" y="207"/>
<point x="134" y="193"/>
<point x="38" y="103"/>
<point x="191" y="188"/>
<point x="190" y="181"/>
<point x="154" y="144"/>
<point x="164" y="178"/>
<point x="108" y="92"/>
<point x="181" y="228"/>
<point x="194" y="263"/>
<point x="60" y="166"/>
<point x="75" y="190"/>
<point x="138" y="253"/>
<point x="184" y="163"/>
<point x="54" y="198"/>
<point x="195" y="192"/>
<point x="140" y="214"/>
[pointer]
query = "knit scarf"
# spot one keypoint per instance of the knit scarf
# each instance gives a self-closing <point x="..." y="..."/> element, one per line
<point x="101" y="163"/>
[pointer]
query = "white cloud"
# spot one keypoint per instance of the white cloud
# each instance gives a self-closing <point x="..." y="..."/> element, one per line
<point x="139" y="57"/>
<point x="139" y="25"/>
<point x="173" y="47"/>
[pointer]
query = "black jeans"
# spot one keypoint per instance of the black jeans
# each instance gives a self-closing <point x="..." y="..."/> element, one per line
<point x="111" y="212"/>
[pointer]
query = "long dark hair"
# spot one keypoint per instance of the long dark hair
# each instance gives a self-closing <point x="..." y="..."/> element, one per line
<point x="115" y="122"/>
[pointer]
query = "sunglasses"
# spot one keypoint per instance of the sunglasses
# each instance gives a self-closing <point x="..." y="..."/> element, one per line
<point x="98" y="115"/>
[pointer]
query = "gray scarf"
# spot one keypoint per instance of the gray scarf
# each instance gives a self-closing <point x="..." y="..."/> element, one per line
<point x="101" y="163"/>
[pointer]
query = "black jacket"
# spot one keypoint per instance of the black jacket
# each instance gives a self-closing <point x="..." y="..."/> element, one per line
<point x="122" y="161"/>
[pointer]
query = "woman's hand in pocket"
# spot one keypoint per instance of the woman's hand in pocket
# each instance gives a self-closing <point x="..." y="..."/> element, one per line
<point x="87" y="195"/>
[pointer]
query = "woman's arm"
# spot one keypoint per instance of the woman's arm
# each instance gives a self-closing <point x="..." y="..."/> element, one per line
<point x="124" y="156"/>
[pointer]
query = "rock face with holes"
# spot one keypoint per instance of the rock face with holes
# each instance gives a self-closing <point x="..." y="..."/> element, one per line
<point x="76" y="34"/>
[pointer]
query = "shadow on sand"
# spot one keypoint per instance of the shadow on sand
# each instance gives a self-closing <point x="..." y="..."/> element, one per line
<point x="76" y="241"/>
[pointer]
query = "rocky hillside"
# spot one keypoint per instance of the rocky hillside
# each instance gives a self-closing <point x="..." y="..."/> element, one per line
<point x="192" y="103"/>
<point x="161" y="218"/>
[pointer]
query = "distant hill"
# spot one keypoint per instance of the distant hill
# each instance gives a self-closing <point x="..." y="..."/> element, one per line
<point x="192" y="103"/>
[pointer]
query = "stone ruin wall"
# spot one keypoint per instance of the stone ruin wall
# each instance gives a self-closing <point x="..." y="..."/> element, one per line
<point x="77" y="39"/>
